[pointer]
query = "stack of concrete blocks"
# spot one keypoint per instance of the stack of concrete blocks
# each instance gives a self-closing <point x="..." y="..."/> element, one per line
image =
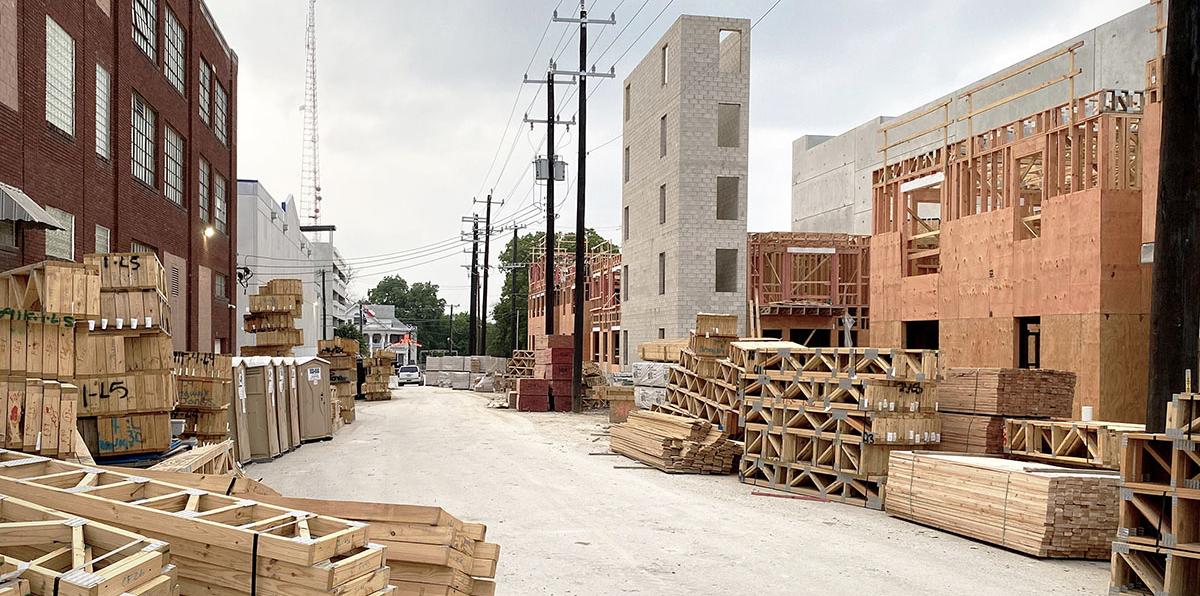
<point x="550" y="387"/>
<point x="464" y="372"/>
<point x="685" y="157"/>
<point x="649" y="383"/>
<point x="485" y="370"/>
<point x="434" y="376"/>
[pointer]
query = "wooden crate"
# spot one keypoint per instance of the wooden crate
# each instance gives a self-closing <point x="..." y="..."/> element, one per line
<point x="129" y="271"/>
<point x="203" y="365"/>
<point x="135" y="311"/>
<point x="129" y="393"/>
<point x="209" y="423"/>
<point x="40" y="416"/>
<point x="56" y="287"/>
<point x="716" y="324"/>
<point x="41" y="348"/>
<point x="126" y="435"/>
<point x="662" y="350"/>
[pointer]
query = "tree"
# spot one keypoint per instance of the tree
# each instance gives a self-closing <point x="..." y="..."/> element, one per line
<point x="419" y="305"/>
<point x="350" y="331"/>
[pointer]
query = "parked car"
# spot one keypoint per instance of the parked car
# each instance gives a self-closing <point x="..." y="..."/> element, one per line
<point x="409" y="374"/>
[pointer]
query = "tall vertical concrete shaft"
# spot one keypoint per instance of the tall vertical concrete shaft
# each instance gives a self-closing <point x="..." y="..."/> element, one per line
<point x="1174" y="316"/>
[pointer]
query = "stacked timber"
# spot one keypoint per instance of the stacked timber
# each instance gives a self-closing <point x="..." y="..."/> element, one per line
<point x="49" y="552"/>
<point x="213" y="537"/>
<point x="215" y="458"/>
<point x="204" y="383"/>
<point x="549" y="389"/>
<point x="1037" y="509"/>
<point x="1157" y="550"/>
<point x="124" y="365"/>
<point x="379" y="371"/>
<point x="976" y="401"/>
<point x="42" y="311"/>
<point x="272" y="318"/>
<point x="342" y="355"/>
<point x="675" y="444"/>
<point x="823" y="421"/>
<point x="1067" y="442"/>
<point x="704" y="384"/>
<point x="662" y="350"/>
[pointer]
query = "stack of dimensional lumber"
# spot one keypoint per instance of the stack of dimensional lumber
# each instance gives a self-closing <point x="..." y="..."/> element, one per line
<point x="1157" y="550"/>
<point x="549" y="389"/>
<point x="1037" y="509"/>
<point x="675" y="444"/>
<point x="272" y="318"/>
<point x="379" y="371"/>
<point x="42" y="309"/>
<point x="662" y="350"/>
<point x="1067" y="442"/>
<point x="215" y="458"/>
<point x="704" y="384"/>
<point x="124" y="365"/>
<point x="975" y="401"/>
<point x="49" y="552"/>
<point x="342" y="355"/>
<point x="204" y="382"/>
<point x="822" y="421"/>
<point x="213" y="537"/>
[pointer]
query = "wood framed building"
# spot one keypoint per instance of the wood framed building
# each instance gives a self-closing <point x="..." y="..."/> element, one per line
<point x="803" y="285"/>
<point x="602" y="304"/>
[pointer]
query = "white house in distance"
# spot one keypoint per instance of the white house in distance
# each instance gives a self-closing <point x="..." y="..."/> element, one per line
<point x="381" y="329"/>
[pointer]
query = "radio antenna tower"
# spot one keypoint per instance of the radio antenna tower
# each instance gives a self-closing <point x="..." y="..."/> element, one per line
<point x="310" y="174"/>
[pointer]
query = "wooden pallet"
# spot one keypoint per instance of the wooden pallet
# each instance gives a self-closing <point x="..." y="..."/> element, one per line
<point x="61" y="554"/>
<point x="1067" y="442"/>
<point x="1183" y="416"/>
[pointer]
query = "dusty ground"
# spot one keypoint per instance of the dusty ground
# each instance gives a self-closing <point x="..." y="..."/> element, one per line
<point x="571" y="523"/>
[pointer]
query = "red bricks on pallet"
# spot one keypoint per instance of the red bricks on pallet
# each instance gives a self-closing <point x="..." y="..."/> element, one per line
<point x="552" y="372"/>
<point x="553" y="356"/>
<point x="541" y="342"/>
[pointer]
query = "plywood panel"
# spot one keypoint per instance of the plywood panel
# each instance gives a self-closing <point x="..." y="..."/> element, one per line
<point x="919" y="295"/>
<point x="1124" y="358"/>
<point x="886" y="334"/>
<point x="1150" y="140"/>
<point x="985" y="342"/>
<point x="1072" y="343"/>
<point x="1120" y="254"/>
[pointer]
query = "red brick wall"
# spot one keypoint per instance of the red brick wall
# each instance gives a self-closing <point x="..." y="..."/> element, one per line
<point x="65" y="172"/>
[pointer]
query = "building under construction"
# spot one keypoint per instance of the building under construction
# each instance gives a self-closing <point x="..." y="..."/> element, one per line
<point x="602" y="314"/>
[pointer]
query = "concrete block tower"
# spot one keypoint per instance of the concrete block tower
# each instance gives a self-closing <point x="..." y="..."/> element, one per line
<point x="685" y="154"/>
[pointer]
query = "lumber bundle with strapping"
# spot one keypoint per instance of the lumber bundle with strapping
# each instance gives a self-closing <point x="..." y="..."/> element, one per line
<point x="1037" y="509"/>
<point x="55" y="553"/>
<point x="662" y="350"/>
<point x="674" y="443"/>
<point x="342" y="355"/>
<point x="1014" y="392"/>
<point x="380" y="368"/>
<point x="272" y="318"/>
<point x="1068" y="442"/>
<point x="704" y="384"/>
<point x="220" y="544"/>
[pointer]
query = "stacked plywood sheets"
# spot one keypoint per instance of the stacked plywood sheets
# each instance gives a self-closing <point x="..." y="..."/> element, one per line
<point x="213" y="537"/>
<point x="272" y="318"/>
<point x="1037" y="509"/>
<point x="674" y="443"/>
<point x="380" y="367"/>
<point x="55" y="553"/>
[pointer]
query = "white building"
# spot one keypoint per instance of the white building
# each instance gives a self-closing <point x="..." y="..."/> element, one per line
<point x="381" y="329"/>
<point x="336" y="277"/>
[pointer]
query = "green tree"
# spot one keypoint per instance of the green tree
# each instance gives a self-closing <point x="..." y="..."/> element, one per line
<point x="419" y="305"/>
<point x="350" y="331"/>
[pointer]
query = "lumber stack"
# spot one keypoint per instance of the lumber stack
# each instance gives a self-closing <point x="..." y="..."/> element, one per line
<point x="976" y="401"/>
<point x="1157" y="550"/>
<point x="1037" y="509"/>
<point x="215" y="458"/>
<point x="42" y="311"/>
<point x="213" y="537"/>
<point x="704" y="384"/>
<point x="379" y="370"/>
<point x="50" y="553"/>
<point x="823" y="421"/>
<point x="204" y="383"/>
<point x="1067" y="442"/>
<point x="662" y="350"/>
<point x="272" y="318"/>
<point x="342" y="355"/>
<point x="675" y="444"/>
<point x="549" y="387"/>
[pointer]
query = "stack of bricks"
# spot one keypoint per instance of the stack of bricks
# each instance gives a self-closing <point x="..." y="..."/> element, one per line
<point x="379" y="371"/>
<point x="42" y="309"/>
<point x="272" y="318"/>
<point x="343" y="374"/>
<point x="550" y="387"/>
<point x="204" y="383"/>
<point x="123" y="364"/>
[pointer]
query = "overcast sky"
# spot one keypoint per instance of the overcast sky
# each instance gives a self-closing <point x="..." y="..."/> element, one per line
<point x="414" y="96"/>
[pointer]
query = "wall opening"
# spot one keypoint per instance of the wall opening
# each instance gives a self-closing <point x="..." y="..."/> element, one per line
<point x="1030" y="191"/>
<point x="666" y="59"/>
<point x="811" y="338"/>
<point x="662" y="333"/>
<point x="727" y="197"/>
<point x="626" y="164"/>
<point x="662" y="273"/>
<point x="625" y="223"/>
<point x="628" y="101"/>
<point x="662" y="136"/>
<point x="921" y="335"/>
<point x="726" y="269"/>
<point x="662" y="204"/>
<point x="730" y="43"/>
<point x="1029" y="342"/>
<point x="729" y="124"/>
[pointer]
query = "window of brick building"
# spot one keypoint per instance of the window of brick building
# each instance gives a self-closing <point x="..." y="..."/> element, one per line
<point x="60" y="78"/>
<point x="662" y="273"/>
<point x="8" y="234"/>
<point x="205" y="91"/>
<point x="173" y="61"/>
<point x="729" y="125"/>
<point x="625" y="224"/>
<point x="103" y="239"/>
<point x="666" y="59"/>
<point x="662" y="136"/>
<point x="145" y="23"/>
<point x="726" y="273"/>
<point x="205" y="189"/>
<point x="220" y="286"/>
<point x="173" y="165"/>
<point x="628" y="98"/>
<point x="103" y="91"/>
<point x="662" y="204"/>
<point x="60" y="244"/>
<point x="142" y="149"/>
<point x="727" y="197"/>
<point x="219" y="203"/>
<point x="220" y="113"/>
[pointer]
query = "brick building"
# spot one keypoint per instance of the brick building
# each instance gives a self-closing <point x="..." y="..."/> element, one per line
<point x="602" y="303"/>
<point x="119" y="118"/>
<point x="686" y="133"/>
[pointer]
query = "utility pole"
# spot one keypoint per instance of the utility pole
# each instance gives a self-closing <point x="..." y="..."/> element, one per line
<point x="512" y="293"/>
<point x="324" y="308"/>
<point x="581" y="275"/>
<point x="474" y="310"/>
<point x="452" y="327"/>
<point x="550" y="173"/>
<point x="487" y="246"/>
<point x="1174" y="320"/>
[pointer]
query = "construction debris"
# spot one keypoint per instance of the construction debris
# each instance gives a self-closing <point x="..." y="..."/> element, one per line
<point x="1037" y="509"/>
<point x="674" y="444"/>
